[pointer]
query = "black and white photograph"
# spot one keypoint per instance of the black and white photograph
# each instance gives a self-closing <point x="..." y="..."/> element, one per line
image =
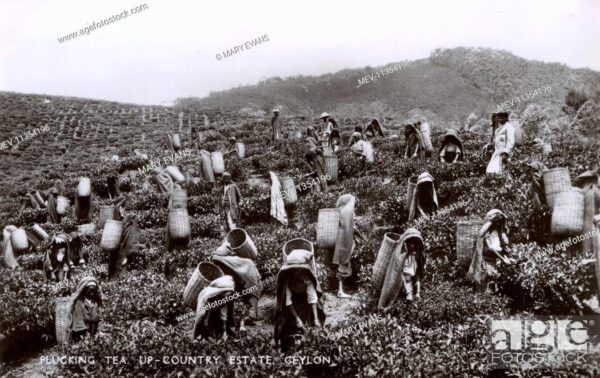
<point x="303" y="188"/>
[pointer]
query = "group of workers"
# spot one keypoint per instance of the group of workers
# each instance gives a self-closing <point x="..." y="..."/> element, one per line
<point x="299" y="294"/>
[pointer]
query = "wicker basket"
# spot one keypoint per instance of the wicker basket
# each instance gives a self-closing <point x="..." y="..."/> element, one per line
<point x="39" y="231"/>
<point x="392" y="283"/>
<point x="466" y="237"/>
<point x="368" y="152"/>
<point x="207" y="169"/>
<point x="556" y="180"/>
<point x="218" y="165"/>
<point x="426" y="132"/>
<point x="203" y="275"/>
<point x="62" y="204"/>
<point x="106" y="213"/>
<point x="84" y="188"/>
<point x="567" y="212"/>
<point x="410" y="189"/>
<point x="518" y="133"/>
<point x="287" y="184"/>
<point x="19" y="240"/>
<point x="86" y="229"/>
<point x="241" y="243"/>
<point x="293" y="244"/>
<point x="176" y="141"/>
<point x="179" y="224"/>
<point x="111" y="235"/>
<point x="240" y="148"/>
<point x="63" y="319"/>
<point x="546" y="148"/>
<point x="331" y="167"/>
<point x="328" y="224"/>
<point x="175" y="173"/>
<point x="178" y="199"/>
<point x="388" y="246"/>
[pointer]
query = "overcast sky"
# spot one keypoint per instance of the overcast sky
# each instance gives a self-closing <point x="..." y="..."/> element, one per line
<point x="169" y="50"/>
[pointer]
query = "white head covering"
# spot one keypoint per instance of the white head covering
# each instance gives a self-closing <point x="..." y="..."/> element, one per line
<point x="324" y="114"/>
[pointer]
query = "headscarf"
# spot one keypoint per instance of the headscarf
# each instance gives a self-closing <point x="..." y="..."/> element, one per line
<point x="219" y="287"/>
<point x="452" y="137"/>
<point x="277" y="205"/>
<point x="423" y="178"/>
<point x="475" y="270"/>
<point x="345" y="238"/>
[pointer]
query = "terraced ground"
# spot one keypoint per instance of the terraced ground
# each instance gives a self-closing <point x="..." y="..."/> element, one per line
<point x="444" y="334"/>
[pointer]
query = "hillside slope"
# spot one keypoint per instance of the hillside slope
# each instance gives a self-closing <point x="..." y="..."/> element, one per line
<point x="451" y="83"/>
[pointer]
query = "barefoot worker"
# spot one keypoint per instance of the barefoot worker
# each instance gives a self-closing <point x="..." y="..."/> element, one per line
<point x="451" y="149"/>
<point x="314" y="156"/>
<point x="490" y="249"/>
<point x="424" y="199"/>
<point x="405" y="271"/>
<point x="298" y="297"/>
<point x="214" y="312"/>
<point x="344" y="244"/>
<point x="415" y="144"/>
<point x="276" y="125"/>
<point x="504" y="141"/>
<point x="229" y="203"/>
<point x="245" y="275"/>
<point x="374" y="128"/>
<point x="82" y="311"/>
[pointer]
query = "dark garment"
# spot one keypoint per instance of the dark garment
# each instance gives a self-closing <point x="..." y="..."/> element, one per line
<point x="129" y="245"/>
<point x="75" y="251"/>
<point x="53" y="216"/>
<point x="55" y="268"/>
<point x="276" y="125"/>
<point x="285" y="322"/>
<point x="374" y="128"/>
<point x="83" y="209"/>
<point x="536" y="190"/>
<point x="215" y="326"/>
<point x="113" y="186"/>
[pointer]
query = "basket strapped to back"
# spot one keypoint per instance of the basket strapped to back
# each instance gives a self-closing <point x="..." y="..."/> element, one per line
<point x="328" y="224"/>
<point x="203" y="275"/>
<point x="466" y="237"/>
<point x="388" y="246"/>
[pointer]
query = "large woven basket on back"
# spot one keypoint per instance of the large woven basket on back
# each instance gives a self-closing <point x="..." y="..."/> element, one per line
<point x="39" y="231"/>
<point x="111" y="235"/>
<point x="392" y="283"/>
<point x="567" y="212"/>
<point x="410" y="189"/>
<point x="106" y="213"/>
<point x="179" y="199"/>
<point x="331" y="167"/>
<point x="388" y="246"/>
<point x="328" y="224"/>
<point x="241" y="243"/>
<point x="426" y="132"/>
<point x="179" y="224"/>
<point x="287" y="184"/>
<point x="175" y="173"/>
<point x="84" y="188"/>
<point x="19" y="240"/>
<point x="240" y="148"/>
<point x="368" y="151"/>
<point x="294" y="244"/>
<point x="63" y="319"/>
<point x="62" y="204"/>
<point x="466" y="237"/>
<point x="556" y="180"/>
<point x="176" y="141"/>
<point x="203" y="275"/>
<point x="207" y="169"/>
<point x="218" y="165"/>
